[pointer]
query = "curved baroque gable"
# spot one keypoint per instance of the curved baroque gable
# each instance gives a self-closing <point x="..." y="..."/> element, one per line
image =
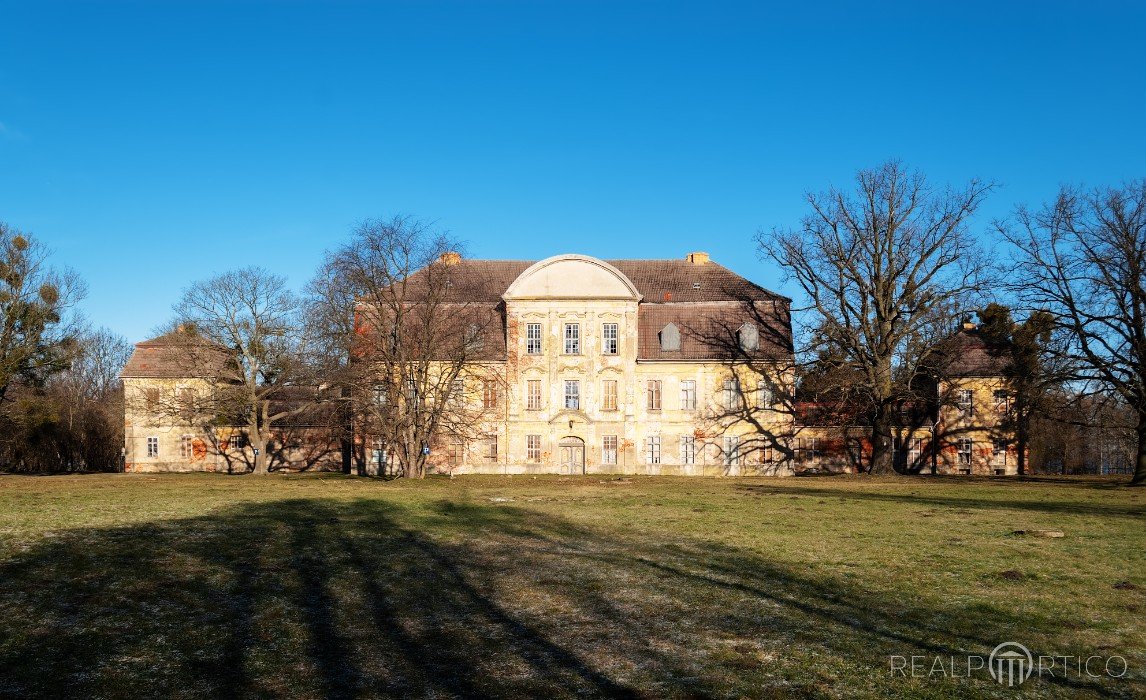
<point x="572" y="277"/>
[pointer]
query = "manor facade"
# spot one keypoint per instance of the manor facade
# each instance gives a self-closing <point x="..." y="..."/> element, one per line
<point x="594" y="366"/>
<point x="623" y="366"/>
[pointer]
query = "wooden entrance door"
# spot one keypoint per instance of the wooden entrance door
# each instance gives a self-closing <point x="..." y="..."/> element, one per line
<point x="572" y="455"/>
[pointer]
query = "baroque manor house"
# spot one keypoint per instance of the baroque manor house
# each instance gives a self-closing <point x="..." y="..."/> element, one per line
<point x="622" y="366"/>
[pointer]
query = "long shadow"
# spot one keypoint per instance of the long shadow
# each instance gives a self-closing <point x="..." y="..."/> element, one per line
<point x="921" y="497"/>
<point x="366" y="598"/>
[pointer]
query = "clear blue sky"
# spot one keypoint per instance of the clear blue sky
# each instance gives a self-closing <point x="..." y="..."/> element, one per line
<point x="153" y="143"/>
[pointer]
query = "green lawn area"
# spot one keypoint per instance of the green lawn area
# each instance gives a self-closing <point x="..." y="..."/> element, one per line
<point x="331" y="586"/>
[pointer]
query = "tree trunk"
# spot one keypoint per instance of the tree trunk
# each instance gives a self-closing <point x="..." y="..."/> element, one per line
<point x="881" y="443"/>
<point x="259" y="444"/>
<point x="1140" y="464"/>
<point x="1022" y="431"/>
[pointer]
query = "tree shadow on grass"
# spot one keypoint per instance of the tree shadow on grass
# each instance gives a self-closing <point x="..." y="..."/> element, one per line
<point x="342" y="599"/>
<point x="922" y="495"/>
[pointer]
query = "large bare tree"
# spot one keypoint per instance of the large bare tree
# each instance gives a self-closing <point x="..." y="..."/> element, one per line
<point x="1083" y="257"/>
<point x="252" y="315"/>
<point x="416" y="342"/>
<point x="876" y="266"/>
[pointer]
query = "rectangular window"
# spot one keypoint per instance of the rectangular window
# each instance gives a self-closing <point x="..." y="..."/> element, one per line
<point x="609" y="339"/>
<point x="533" y="338"/>
<point x="151" y="399"/>
<point x="731" y="450"/>
<point x="609" y="395"/>
<point x="187" y="401"/>
<point x="491" y="449"/>
<point x="807" y="450"/>
<point x="1002" y="400"/>
<point x="458" y="391"/>
<point x="654" y="392"/>
<point x="765" y="396"/>
<point x="609" y="449"/>
<point x="572" y="393"/>
<point x="489" y="394"/>
<point x="533" y="448"/>
<point x="455" y="452"/>
<point x="687" y="449"/>
<point x="733" y="400"/>
<point x="688" y="395"/>
<point x="186" y="447"/>
<point x="572" y="339"/>
<point x="964" y="398"/>
<point x="908" y="456"/>
<point x="380" y="398"/>
<point x="1000" y="452"/>
<point x="966" y="447"/>
<point x="238" y="441"/>
<point x="767" y="455"/>
<point x="533" y="394"/>
<point x="152" y="447"/>
<point x="653" y="449"/>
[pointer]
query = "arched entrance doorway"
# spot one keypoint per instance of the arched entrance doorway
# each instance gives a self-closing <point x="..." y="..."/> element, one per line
<point x="572" y="451"/>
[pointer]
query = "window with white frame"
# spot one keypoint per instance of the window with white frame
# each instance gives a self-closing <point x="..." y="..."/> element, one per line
<point x="533" y="448"/>
<point x="731" y="450"/>
<point x="572" y="393"/>
<point x="152" y="447"/>
<point x="654" y="394"/>
<point x="687" y="449"/>
<point x="688" y="395"/>
<point x="964" y="399"/>
<point x="609" y="339"/>
<point x="733" y="399"/>
<point x="609" y="395"/>
<point x="965" y="447"/>
<point x="533" y="394"/>
<point x="186" y="447"/>
<point x="533" y="338"/>
<point x="238" y="441"/>
<point x="1002" y="400"/>
<point x="458" y="391"/>
<point x="609" y="449"/>
<point x="653" y="449"/>
<point x="572" y="339"/>
<point x="380" y="397"/>
<point x="765" y="395"/>
<point x="1000" y="452"/>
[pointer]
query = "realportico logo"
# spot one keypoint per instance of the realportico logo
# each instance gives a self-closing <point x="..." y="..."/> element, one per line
<point x="1010" y="664"/>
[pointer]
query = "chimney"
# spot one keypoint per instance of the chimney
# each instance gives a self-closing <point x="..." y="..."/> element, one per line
<point x="450" y="257"/>
<point x="697" y="258"/>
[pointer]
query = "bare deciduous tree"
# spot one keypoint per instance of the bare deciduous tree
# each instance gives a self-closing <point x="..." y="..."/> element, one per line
<point x="251" y="316"/>
<point x="417" y="339"/>
<point x="876" y="266"/>
<point x="1083" y="257"/>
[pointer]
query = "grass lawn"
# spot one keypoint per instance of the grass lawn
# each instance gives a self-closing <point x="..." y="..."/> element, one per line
<point x="330" y="586"/>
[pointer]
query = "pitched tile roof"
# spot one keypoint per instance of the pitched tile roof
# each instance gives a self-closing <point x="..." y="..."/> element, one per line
<point x="701" y="299"/>
<point x="967" y="354"/>
<point x="177" y="354"/>
<point x="656" y="280"/>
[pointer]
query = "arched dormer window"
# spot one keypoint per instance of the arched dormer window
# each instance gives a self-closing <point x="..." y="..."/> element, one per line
<point x="670" y="338"/>
<point x="748" y="337"/>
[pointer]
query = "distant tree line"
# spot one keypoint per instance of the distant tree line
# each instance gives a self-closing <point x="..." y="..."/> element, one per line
<point x="886" y="269"/>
